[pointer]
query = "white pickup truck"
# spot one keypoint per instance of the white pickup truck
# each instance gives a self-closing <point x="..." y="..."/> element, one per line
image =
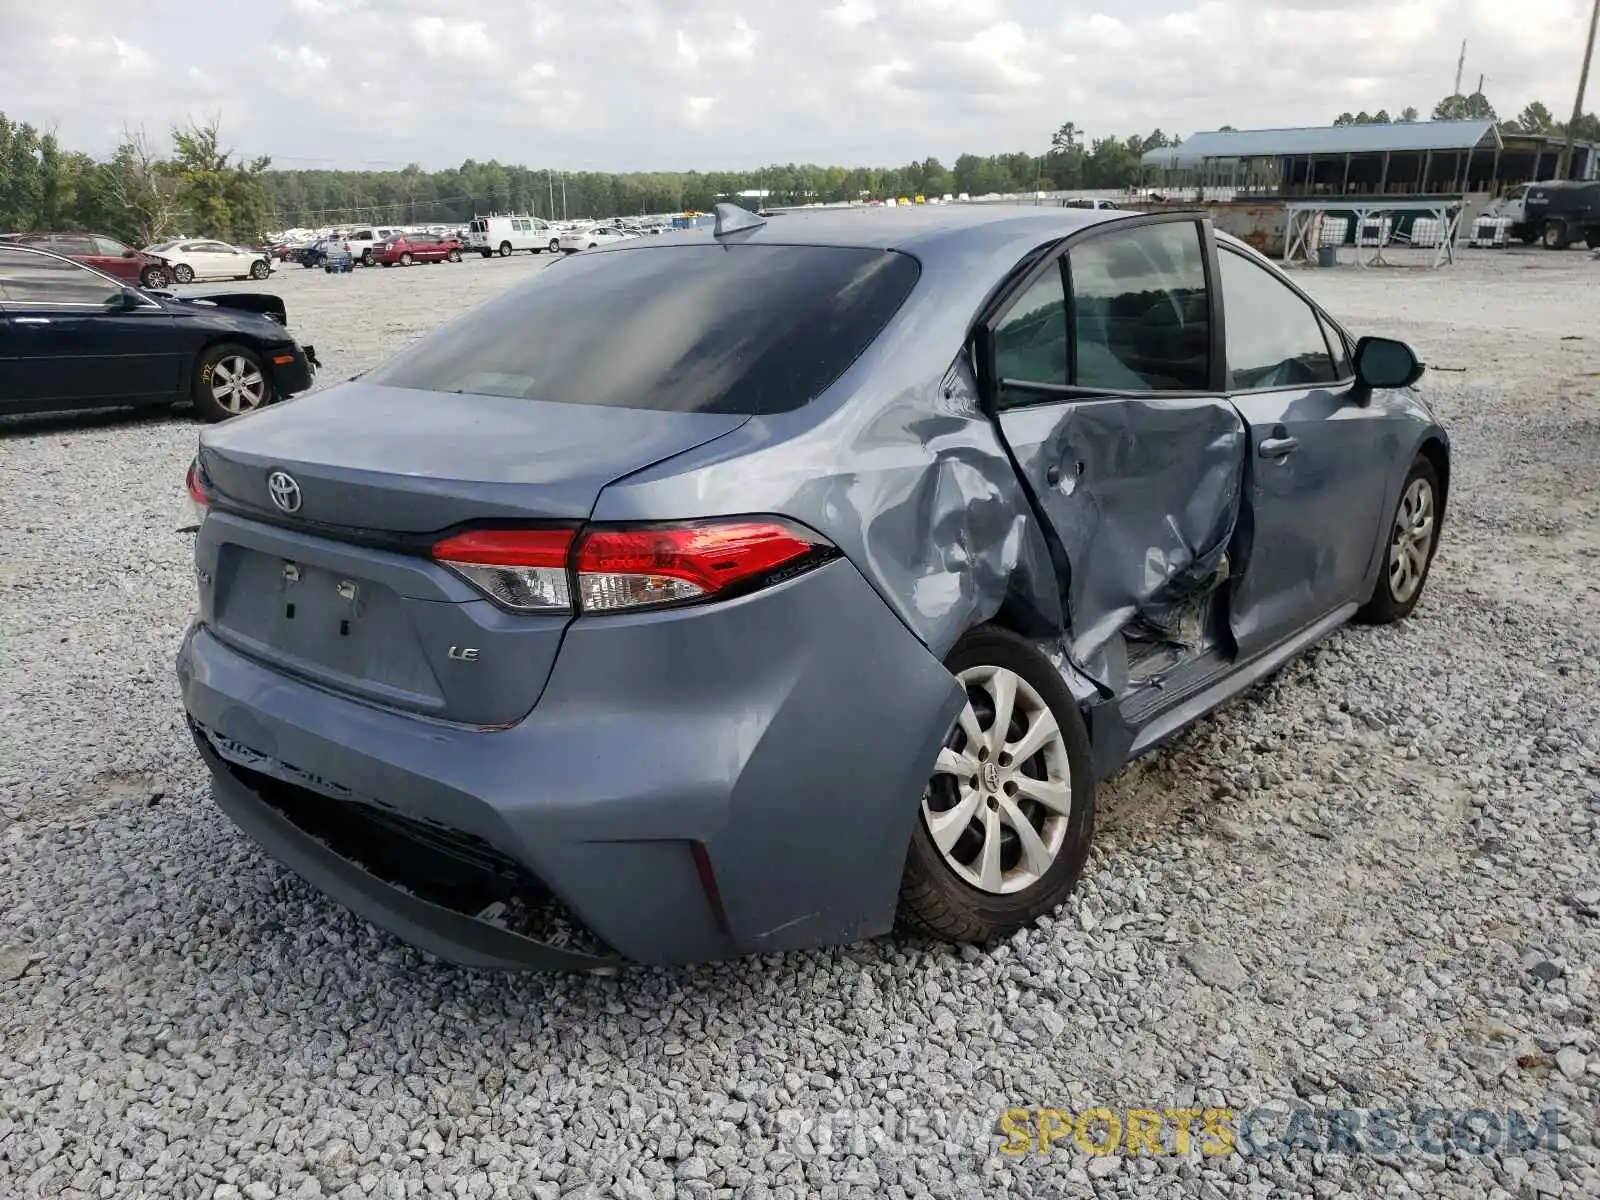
<point x="362" y="241"/>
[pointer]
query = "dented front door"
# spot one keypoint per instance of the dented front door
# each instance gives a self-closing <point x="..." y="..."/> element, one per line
<point x="1103" y="371"/>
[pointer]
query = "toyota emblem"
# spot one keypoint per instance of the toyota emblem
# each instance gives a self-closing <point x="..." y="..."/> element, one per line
<point x="285" y="492"/>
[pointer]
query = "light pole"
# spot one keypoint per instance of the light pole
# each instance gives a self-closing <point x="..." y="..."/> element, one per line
<point x="564" y="185"/>
<point x="550" y="184"/>
<point x="1565" y="163"/>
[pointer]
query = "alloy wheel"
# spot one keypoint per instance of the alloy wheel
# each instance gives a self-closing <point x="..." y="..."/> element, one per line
<point x="238" y="384"/>
<point x="1412" y="541"/>
<point x="1000" y="798"/>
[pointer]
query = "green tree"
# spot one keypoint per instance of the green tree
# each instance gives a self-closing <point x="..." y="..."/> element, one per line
<point x="1475" y="107"/>
<point x="223" y="198"/>
<point x="1408" y="115"/>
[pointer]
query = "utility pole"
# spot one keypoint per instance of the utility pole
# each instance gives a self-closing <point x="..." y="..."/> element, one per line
<point x="564" y="185"/>
<point x="1564" y="165"/>
<point x="550" y="186"/>
<point x="1460" y="65"/>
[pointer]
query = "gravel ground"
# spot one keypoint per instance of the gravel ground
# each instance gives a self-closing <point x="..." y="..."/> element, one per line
<point x="1372" y="884"/>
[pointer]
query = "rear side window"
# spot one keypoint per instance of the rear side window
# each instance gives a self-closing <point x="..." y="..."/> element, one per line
<point x="703" y="328"/>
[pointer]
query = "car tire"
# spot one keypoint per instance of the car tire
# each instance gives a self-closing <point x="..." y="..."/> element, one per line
<point x="505" y="249"/>
<point x="454" y="256"/>
<point x="555" y="245"/>
<point x="153" y="277"/>
<point x="1555" y="236"/>
<point x="259" y="270"/>
<point x="1408" y="553"/>
<point x="982" y="881"/>
<point x="183" y="273"/>
<point x="1591" y="236"/>
<point x="230" y="380"/>
<point x="405" y="260"/>
<point x="366" y="258"/>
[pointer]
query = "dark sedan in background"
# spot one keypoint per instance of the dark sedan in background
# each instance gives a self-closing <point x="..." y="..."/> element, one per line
<point x="73" y="337"/>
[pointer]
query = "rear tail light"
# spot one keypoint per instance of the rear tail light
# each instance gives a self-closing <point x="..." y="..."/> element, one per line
<point x="629" y="568"/>
<point x="640" y="568"/>
<point x="196" y="501"/>
<point x="522" y="569"/>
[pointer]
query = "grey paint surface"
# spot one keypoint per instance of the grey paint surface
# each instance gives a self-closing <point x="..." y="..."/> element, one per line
<point x="790" y="732"/>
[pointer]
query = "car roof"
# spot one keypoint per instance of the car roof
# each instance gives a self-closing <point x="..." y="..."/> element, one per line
<point x="928" y="232"/>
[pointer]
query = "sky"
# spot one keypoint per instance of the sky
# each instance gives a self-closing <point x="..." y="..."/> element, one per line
<point x="731" y="84"/>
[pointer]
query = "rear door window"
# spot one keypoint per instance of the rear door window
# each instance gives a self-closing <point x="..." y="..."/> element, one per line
<point x="1140" y="314"/>
<point x="704" y="326"/>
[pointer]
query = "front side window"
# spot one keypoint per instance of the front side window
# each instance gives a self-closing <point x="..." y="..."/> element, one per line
<point x="38" y="281"/>
<point x="108" y="248"/>
<point x="702" y="331"/>
<point x="1274" y="337"/>
<point x="1140" y="314"/>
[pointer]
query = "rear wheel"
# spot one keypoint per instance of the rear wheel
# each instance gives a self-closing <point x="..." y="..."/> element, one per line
<point x="183" y="273"/>
<point x="405" y="260"/>
<point x="1008" y="815"/>
<point x="229" y="380"/>
<point x="1556" y="236"/>
<point x="505" y="249"/>
<point x="1413" y="538"/>
<point x="1591" y="236"/>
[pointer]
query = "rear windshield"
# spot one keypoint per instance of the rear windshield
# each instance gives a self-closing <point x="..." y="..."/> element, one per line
<point x="698" y="328"/>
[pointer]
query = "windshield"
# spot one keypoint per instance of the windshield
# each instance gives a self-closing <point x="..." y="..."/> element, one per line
<point x="707" y="328"/>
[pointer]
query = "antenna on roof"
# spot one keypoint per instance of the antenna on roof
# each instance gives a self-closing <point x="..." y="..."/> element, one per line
<point x="733" y="219"/>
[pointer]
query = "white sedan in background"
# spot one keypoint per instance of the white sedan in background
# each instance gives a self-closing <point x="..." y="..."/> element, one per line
<point x="588" y="239"/>
<point x="201" y="258"/>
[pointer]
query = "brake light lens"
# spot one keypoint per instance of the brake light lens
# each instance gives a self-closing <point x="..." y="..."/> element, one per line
<point x="644" y="568"/>
<point x="521" y="569"/>
<point x="197" y="501"/>
<point x="628" y="568"/>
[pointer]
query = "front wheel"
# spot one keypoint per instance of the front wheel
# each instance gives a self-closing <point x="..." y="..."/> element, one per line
<point x="1413" y="538"/>
<point x="259" y="270"/>
<point x="229" y="380"/>
<point x="1008" y="815"/>
<point x="454" y="256"/>
<point x="183" y="273"/>
<point x="1556" y="236"/>
<point x="153" y="277"/>
<point x="555" y="245"/>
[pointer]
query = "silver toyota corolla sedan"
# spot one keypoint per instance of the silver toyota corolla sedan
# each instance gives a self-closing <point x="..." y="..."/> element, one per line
<point x="749" y="587"/>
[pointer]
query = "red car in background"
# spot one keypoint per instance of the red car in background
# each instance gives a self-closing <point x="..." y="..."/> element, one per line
<point x="416" y="248"/>
<point x="103" y="254"/>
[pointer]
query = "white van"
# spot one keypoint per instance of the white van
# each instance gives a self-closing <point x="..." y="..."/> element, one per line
<point x="501" y="235"/>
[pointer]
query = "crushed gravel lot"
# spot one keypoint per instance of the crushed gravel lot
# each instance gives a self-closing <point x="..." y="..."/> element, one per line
<point x="1372" y="884"/>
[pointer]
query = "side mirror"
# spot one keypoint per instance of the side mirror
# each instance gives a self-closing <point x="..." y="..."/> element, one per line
<point x="1383" y="363"/>
<point x="130" y="254"/>
<point x="125" y="301"/>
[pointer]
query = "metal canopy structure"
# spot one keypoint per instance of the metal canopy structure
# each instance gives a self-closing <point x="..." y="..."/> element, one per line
<point x="1302" y="236"/>
<point x="1330" y="140"/>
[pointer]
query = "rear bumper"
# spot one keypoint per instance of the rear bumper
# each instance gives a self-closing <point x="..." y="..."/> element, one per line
<point x="693" y="785"/>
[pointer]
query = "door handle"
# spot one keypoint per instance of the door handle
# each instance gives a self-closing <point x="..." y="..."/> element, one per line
<point x="31" y="320"/>
<point x="1277" y="447"/>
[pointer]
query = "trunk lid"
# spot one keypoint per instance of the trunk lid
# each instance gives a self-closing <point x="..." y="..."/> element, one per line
<point x="340" y="591"/>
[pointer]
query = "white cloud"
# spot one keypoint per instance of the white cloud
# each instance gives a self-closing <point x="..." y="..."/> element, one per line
<point x="713" y="84"/>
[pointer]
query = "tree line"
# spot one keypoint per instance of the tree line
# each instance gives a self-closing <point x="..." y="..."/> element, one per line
<point x="145" y="193"/>
<point x="193" y="186"/>
<point x="141" y="194"/>
<point x="1535" y="117"/>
